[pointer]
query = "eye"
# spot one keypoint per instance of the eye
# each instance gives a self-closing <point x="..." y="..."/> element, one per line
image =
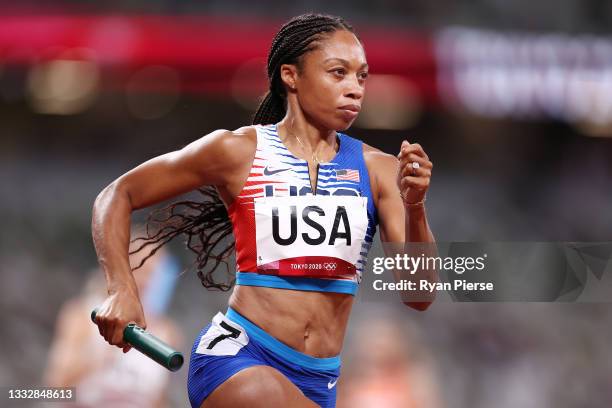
<point x="363" y="75"/>
<point x="339" y="71"/>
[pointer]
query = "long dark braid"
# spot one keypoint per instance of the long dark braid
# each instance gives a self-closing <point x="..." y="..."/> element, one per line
<point x="207" y="227"/>
<point x="295" y="38"/>
<point x="206" y="224"/>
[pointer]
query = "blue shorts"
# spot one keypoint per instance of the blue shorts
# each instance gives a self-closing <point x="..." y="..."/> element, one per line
<point x="232" y="343"/>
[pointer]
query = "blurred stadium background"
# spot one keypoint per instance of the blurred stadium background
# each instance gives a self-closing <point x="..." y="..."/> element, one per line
<point x="511" y="100"/>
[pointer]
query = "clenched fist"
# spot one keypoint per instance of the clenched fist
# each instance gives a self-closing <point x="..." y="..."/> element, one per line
<point x="414" y="172"/>
<point x="119" y="309"/>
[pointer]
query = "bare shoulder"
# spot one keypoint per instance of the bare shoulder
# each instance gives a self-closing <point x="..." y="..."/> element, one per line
<point x="228" y="161"/>
<point x="382" y="168"/>
<point x="245" y="133"/>
<point x="219" y="158"/>
<point x="219" y="151"/>
<point x="377" y="160"/>
<point x="232" y="145"/>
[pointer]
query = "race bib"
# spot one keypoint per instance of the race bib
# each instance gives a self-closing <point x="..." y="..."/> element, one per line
<point x="223" y="338"/>
<point x="310" y="235"/>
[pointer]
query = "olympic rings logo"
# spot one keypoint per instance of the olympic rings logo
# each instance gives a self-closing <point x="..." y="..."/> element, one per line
<point x="329" y="266"/>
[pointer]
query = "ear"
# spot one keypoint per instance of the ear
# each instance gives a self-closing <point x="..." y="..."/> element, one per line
<point x="289" y="75"/>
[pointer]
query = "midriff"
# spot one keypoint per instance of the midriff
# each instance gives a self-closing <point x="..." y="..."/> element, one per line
<point x="313" y="323"/>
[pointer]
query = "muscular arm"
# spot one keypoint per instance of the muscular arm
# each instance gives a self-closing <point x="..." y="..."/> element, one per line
<point x="220" y="158"/>
<point x="399" y="223"/>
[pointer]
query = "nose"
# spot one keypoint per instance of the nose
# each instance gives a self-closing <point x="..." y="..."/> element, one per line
<point x="354" y="89"/>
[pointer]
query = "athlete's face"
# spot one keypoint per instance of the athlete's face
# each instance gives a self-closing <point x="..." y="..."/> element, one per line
<point x="331" y="83"/>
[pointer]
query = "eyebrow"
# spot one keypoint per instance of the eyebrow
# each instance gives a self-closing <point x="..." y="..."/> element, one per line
<point x="345" y="62"/>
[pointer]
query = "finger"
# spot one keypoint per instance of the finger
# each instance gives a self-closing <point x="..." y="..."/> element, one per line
<point x="409" y="169"/>
<point x="117" y="335"/>
<point x="403" y="147"/>
<point x="100" y="326"/>
<point x="417" y="149"/>
<point x="104" y="326"/>
<point x="419" y="183"/>
<point x="142" y="325"/>
<point x="420" y="172"/>
<point x="127" y="348"/>
<point x="412" y="157"/>
<point x="107" y="330"/>
<point x="413" y="148"/>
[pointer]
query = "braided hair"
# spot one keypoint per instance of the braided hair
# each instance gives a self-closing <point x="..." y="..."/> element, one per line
<point x="295" y="38"/>
<point x="206" y="223"/>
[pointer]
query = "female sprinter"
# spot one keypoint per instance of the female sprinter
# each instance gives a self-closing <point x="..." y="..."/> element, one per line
<point x="304" y="201"/>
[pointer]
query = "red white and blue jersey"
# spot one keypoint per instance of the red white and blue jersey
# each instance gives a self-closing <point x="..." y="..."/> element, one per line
<point x="288" y="236"/>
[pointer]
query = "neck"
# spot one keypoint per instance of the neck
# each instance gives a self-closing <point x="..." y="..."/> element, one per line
<point x="301" y="134"/>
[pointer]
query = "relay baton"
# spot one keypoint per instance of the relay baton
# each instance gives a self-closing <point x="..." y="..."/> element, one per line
<point x="149" y="345"/>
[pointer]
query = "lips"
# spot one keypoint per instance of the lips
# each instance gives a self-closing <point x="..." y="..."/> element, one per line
<point x="352" y="108"/>
<point x="350" y="112"/>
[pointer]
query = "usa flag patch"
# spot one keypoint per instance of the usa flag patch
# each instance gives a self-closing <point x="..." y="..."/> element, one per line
<point x="347" y="174"/>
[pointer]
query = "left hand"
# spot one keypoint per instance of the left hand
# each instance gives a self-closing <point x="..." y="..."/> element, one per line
<point x="413" y="182"/>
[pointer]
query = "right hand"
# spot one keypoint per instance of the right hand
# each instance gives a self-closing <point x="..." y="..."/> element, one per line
<point x="118" y="310"/>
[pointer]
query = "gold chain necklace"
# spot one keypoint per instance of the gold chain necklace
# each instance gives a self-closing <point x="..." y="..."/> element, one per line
<point x="315" y="157"/>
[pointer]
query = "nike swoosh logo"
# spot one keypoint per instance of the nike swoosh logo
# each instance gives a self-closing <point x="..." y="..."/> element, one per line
<point x="269" y="172"/>
<point x="331" y="385"/>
